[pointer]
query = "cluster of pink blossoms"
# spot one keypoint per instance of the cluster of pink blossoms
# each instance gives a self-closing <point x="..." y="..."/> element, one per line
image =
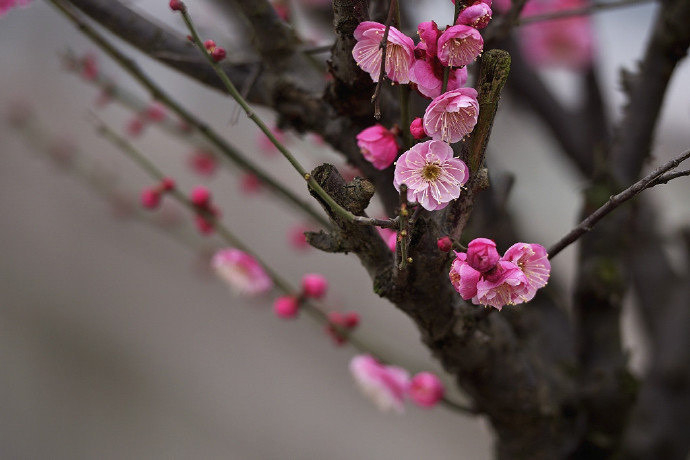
<point x="488" y="279"/>
<point x="431" y="173"/>
<point x="388" y="386"/>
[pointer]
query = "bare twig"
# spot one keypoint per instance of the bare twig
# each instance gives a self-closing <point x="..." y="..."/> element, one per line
<point x="159" y="94"/>
<point x="588" y="223"/>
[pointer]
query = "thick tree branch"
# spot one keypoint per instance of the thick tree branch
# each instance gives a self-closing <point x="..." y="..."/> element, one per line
<point x="274" y="40"/>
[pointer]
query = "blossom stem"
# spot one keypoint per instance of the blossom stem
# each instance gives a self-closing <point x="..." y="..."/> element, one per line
<point x="337" y="209"/>
<point x="315" y="311"/>
<point x="654" y="178"/>
<point x="160" y="95"/>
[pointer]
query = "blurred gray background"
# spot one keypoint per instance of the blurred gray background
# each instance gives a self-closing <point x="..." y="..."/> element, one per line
<point x="115" y="342"/>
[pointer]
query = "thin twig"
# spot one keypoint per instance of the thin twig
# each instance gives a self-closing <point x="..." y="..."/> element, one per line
<point x="384" y="46"/>
<point x="316" y="312"/>
<point x="232" y="90"/>
<point x="160" y="95"/>
<point x="664" y="179"/>
<point x="615" y="201"/>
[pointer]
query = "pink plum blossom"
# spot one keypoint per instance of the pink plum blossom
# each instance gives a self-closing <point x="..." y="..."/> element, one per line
<point x="476" y="15"/>
<point x="426" y="389"/>
<point x="459" y="45"/>
<point x="533" y="260"/>
<point x="241" y="272"/>
<point x="150" y="198"/>
<point x="427" y="70"/>
<point x="452" y="115"/>
<point x="378" y="146"/>
<point x="482" y="254"/>
<point x="504" y="285"/>
<point x="296" y="237"/>
<point x="399" y="51"/>
<point x="463" y="277"/>
<point x="433" y="177"/>
<point x="428" y="75"/>
<point x="386" y="386"/>
<point x="565" y="42"/>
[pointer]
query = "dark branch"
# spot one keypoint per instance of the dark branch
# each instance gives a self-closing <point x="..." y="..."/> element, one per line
<point x="615" y="201"/>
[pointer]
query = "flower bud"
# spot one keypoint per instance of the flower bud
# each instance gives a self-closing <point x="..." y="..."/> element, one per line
<point x="286" y="307"/>
<point x="444" y="244"/>
<point x="150" y="198"/>
<point x="314" y="285"/>
<point x="482" y="254"/>
<point x="426" y="389"/>
<point x="417" y="129"/>
<point x="177" y="5"/>
<point x="200" y="197"/>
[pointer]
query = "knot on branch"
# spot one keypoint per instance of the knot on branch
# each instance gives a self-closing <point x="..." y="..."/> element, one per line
<point x="353" y="196"/>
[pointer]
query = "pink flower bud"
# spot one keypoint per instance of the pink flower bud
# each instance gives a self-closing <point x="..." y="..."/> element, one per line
<point x="177" y="5"/>
<point x="314" y="285"/>
<point x="286" y="307"/>
<point x="482" y="254"/>
<point x="200" y="196"/>
<point x="425" y="389"/>
<point x="218" y="54"/>
<point x="204" y="226"/>
<point x="150" y="198"/>
<point x="203" y="162"/>
<point x="210" y="45"/>
<point x="417" y="128"/>
<point x="155" y="111"/>
<point x="444" y="244"/>
<point x="347" y="321"/>
<point x="249" y="183"/>
<point x="167" y="184"/>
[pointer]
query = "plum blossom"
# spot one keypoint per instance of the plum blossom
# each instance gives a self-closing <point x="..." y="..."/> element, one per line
<point x="286" y="307"/>
<point x="345" y="322"/>
<point x="463" y="277"/>
<point x="417" y="129"/>
<point x="533" y="260"/>
<point x="452" y="115"/>
<point x="504" y="285"/>
<point x="386" y="386"/>
<point x="427" y="70"/>
<point x="314" y="285"/>
<point x="433" y="177"/>
<point x="485" y="278"/>
<point x="426" y="389"/>
<point x="564" y="42"/>
<point x="378" y="146"/>
<point x="459" y="45"/>
<point x="399" y="51"/>
<point x="476" y="15"/>
<point x="241" y="272"/>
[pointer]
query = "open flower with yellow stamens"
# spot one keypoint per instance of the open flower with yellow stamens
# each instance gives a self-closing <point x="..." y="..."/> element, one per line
<point x="459" y="45"/>
<point x="452" y="115"/>
<point x="433" y="177"/>
<point x="368" y="53"/>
